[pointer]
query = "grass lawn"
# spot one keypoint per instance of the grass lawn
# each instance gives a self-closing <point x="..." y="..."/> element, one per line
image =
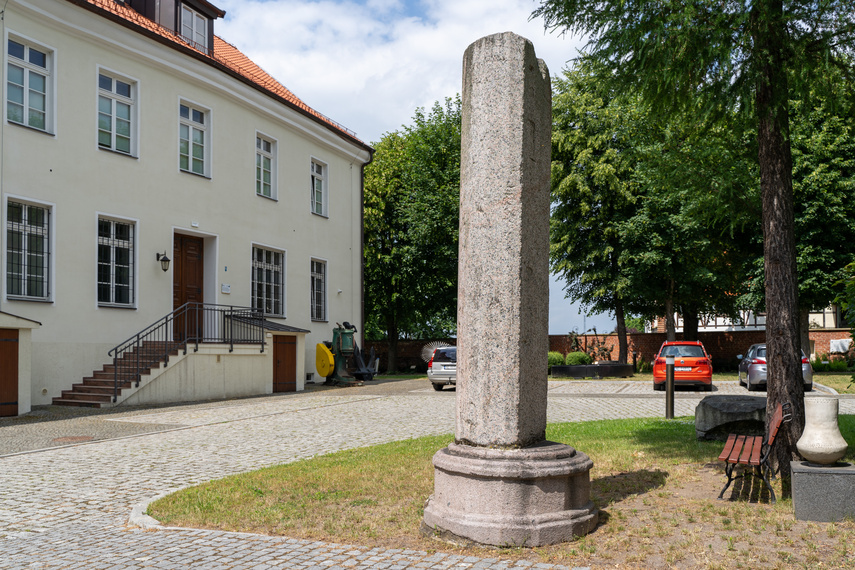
<point x="655" y="484"/>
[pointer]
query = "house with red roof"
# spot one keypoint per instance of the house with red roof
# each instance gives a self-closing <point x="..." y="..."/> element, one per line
<point x="179" y="224"/>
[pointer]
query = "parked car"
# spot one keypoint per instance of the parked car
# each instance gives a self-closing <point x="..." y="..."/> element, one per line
<point x="752" y="369"/>
<point x="692" y="365"/>
<point x="442" y="368"/>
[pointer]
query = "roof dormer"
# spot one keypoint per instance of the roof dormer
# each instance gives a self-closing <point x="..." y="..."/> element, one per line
<point x="192" y="20"/>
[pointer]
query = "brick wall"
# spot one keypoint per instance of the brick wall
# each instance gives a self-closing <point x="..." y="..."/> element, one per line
<point x="409" y="353"/>
<point x="723" y="346"/>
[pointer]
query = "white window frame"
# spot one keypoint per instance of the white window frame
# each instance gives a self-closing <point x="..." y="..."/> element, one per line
<point x="191" y="31"/>
<point x="261" y="153"/>
<point x="48" y="263"/>
<point x="318" y="306"/>
<point x="319" y="175"/>
<point x="193" y="126"/>
<point x="111" y="241"/>
<point x="267" y="295"/>
<point x="115" y="100"/>
<point x="29" y="69"/>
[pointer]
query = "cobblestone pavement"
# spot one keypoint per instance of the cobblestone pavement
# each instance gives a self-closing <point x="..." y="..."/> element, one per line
<point x="65" y="504"/>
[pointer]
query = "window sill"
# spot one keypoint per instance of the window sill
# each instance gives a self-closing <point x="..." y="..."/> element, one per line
<point x="28" y="299"/>
<point x="325" y="216"/>
<point x="191" y="173"/>
<point x="320" y="321"/>
<point x="271" y="198"/>
<point x="120" y="153"/>
<point x="109" y="306"/>
<point x="29" y="128"/>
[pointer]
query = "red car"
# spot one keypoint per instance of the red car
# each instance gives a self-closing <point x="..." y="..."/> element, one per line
<point x="692" y="365"/>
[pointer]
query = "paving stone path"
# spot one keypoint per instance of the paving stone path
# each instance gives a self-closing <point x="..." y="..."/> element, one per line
<point x="67" y="505"/>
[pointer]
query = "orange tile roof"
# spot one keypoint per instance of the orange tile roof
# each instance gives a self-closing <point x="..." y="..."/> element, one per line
<point x="224" y="54"/>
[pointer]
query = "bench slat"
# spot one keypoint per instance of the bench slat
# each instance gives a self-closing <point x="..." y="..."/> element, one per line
<point x="728" y="447"/>
<point x="777" y="419"/>
<point x="747" y="450"/>
<point x="755" y="455"/>
<point x="734" y="456"/>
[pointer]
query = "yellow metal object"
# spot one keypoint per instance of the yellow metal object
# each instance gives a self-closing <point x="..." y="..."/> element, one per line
<point x="324" y="361"/>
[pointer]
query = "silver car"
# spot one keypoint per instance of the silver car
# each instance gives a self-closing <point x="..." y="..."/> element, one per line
<point x="752" y="369"/>
<point x="442" y="368"/>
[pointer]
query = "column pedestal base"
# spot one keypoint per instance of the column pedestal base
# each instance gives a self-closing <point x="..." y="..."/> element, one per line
<point x="510" y="497"/>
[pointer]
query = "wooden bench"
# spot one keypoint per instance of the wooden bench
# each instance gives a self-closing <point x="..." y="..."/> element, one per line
<point x="753" y="450"/>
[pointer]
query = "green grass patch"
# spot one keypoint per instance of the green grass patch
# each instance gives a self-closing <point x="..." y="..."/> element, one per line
<point x="843" y="383"/>
<point x="651" y="477"/>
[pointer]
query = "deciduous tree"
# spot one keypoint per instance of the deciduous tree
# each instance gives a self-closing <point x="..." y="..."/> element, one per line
<point x="412" y="190"/>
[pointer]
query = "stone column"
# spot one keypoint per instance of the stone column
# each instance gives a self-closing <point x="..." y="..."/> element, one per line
<point x="501" y="482"/>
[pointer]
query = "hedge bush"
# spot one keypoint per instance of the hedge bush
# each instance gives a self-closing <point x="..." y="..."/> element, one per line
<point x="575" y="358"/>
<point x="555" y="359"/>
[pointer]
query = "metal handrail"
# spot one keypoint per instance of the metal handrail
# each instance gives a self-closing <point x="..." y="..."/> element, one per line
<point x="189" y="324"/>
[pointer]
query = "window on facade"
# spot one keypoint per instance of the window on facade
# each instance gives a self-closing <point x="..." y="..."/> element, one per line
<point x="115" y="262"/>
<point x="115" y="113"/>
<point x="319" y="290"/>
<point x="264" y="163"/>
<point x="268" y="281"/>
<point x="194" y="28"/>
<point x="28" y="85"/>
<point x="319" y="185"/>
<point x="191" y="144"/>
<point x="27" y="251"/>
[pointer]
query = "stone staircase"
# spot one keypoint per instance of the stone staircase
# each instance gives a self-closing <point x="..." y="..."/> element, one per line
<point x="97" y="391"/>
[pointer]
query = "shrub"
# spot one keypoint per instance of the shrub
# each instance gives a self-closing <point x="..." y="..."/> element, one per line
<point x="575" y="358"/>
<point x="838" y="366"/>
<point x="555" y="359"/>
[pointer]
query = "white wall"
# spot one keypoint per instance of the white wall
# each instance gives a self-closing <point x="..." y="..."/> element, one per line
<point x="67" y="172"/>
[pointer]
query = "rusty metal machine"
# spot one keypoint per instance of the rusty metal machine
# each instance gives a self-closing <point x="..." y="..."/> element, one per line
<point x="341" y="362"/>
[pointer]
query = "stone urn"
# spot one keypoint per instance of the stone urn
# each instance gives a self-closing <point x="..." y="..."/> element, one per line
<point x="821" y="441"/>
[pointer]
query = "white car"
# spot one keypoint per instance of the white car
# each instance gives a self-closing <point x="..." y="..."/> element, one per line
<point x="442" y="368"/>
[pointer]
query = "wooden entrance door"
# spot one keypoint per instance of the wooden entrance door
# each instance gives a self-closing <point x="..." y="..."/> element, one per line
<point x="187" y="283"/>
<point x="8" y="372"/>
<point x="285" y="363"/>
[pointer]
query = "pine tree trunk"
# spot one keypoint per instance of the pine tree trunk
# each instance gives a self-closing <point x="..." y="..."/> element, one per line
<point x="784" y="379"/>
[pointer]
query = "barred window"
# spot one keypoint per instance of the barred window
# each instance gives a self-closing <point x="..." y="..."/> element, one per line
<point x="319" y="290"/>
<point x="268" y="281"/>
<point x="115" y="262"/>
<point x="27" y="251"/>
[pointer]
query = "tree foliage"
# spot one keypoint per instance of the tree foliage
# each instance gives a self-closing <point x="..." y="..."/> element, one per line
<point x="412" y="190"/>
<point x="724" y="57"/>
<point x="592" y="139"/>
<point x="648" y="216"/>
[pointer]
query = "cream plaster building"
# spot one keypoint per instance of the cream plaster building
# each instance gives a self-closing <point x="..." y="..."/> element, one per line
<point x="131" y="133"/>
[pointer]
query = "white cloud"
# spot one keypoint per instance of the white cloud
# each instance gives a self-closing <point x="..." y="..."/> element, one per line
<point x="369" y="65"/>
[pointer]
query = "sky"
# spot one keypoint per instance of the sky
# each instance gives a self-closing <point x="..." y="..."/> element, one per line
<point x="368" y="64"/>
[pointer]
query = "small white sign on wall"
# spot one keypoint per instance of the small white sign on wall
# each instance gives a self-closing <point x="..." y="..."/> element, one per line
<point x="226" y="288"/>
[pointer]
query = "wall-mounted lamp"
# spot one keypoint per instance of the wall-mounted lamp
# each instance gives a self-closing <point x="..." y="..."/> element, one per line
<point x="164" y="261"/>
